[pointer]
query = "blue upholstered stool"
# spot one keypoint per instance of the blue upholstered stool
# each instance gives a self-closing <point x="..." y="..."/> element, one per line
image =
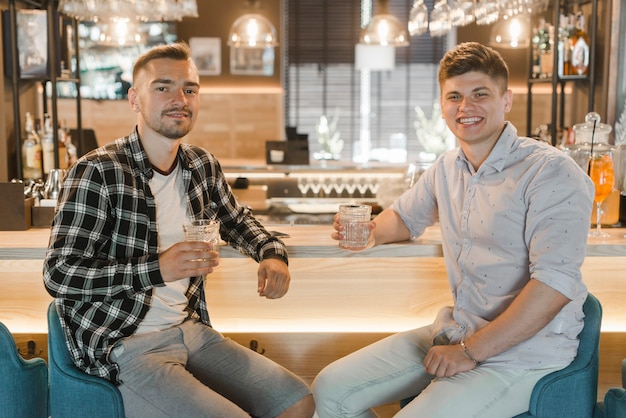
<point x="23" y="383"/>
<point x="74" y="394"/>
<point x="572" y="391"/>
<point x="614" y="405"/>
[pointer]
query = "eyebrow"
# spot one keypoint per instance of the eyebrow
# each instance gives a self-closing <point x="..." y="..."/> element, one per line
<point x="480" y="88"/>
<point x="169" y="81"/>
<point x="474" y="90"/>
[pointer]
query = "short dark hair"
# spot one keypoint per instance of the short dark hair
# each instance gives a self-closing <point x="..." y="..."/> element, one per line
<point x="179" y="51"/>
<point x="474" y="56"/>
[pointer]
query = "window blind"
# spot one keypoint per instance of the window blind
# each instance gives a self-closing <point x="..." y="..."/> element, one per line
<point x="321" y="79"/>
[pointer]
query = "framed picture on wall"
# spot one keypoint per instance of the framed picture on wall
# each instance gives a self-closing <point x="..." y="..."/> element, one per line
<point x="207" y="54"/>
<point x="252" y="61"/>
<point x="32" y="43"/>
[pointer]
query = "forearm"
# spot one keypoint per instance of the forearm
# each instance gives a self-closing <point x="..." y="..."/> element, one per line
<point x="533" y="309"/>
<point x="79" y="278"/>
<point x="251" y="238"/>
<point x="389" y="227"/>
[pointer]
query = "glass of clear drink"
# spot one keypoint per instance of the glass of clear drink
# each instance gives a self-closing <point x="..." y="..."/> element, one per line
<point x="355" y="220"/>
<point x="206" y="230"/>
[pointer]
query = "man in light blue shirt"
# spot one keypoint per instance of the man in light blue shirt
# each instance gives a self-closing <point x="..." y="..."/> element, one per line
<point x="514" y="216"/>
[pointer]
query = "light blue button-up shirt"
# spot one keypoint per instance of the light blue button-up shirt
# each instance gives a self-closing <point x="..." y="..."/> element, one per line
<point x="525" y="213"/>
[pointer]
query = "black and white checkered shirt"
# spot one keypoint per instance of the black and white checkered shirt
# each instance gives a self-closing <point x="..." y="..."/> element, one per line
<point x="102" y="261"/>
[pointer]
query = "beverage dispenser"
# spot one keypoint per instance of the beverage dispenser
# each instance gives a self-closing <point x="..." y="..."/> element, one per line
<point x="593" y="130"/>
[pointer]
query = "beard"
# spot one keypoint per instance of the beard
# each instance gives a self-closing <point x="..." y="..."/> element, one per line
<point x="170" y="128"/>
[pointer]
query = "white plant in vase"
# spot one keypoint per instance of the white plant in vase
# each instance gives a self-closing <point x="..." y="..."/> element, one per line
<point x="329" y="137"/>
<point x="433" y="133"/>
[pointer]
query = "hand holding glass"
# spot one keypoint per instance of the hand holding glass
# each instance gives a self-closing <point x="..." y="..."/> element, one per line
<point x="204" y="230"/>
<point x="355" y="220"/>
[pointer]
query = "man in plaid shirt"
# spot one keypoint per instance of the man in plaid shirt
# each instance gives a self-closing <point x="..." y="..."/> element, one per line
<point x="130" y="290"/>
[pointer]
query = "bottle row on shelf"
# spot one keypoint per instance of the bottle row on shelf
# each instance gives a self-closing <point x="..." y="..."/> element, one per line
<point x="38" y="148"/>
<point x="572" y="47"/>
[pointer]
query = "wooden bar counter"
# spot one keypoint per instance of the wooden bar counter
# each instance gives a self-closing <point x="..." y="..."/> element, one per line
<point x="338" y="301"/>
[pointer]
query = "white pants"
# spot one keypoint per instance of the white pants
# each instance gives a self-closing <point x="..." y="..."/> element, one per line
<point x="392" y="369"/>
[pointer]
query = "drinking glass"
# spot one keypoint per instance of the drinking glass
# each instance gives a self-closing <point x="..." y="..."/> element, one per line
<point x="462" y="12"/>
<point x="355" y="220"/>
<point x="418" y="18"/>
<point x="486" y="12"/>
<point x="439" y="23"/>
<point x="602" y="174"/>
<point x="206" y="230"/>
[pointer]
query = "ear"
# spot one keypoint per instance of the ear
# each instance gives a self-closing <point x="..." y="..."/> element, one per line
<point x="508" y="100"/>
<point x="133" y="100"/>
<point x="441" y="106"/>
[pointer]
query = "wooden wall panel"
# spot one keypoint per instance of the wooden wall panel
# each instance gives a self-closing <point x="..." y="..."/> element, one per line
<point x="231" y="123"/>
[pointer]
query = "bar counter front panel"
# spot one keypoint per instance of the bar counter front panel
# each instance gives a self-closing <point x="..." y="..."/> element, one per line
<point x="338" y="300"/>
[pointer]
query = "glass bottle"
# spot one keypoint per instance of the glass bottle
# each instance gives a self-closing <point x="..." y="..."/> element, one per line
<point x="47" y="145"/>
<point x="547" y="52"/>
<point x="579" y="59"/>
<point x="31" y="151"/>
<point x="63" y="154"/>
<point x="545" y="48"/>
<point x="564" y="46"/>
<point x="72" y="151"/>
<point x="536" y="64"/>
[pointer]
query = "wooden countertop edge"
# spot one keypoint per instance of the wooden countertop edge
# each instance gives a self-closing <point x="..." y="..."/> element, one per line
<point x="306" y="241"/>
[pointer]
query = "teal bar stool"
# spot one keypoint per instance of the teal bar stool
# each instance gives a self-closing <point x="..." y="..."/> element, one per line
<point x="614" y="404"/>
<point x="23" y="383"/>
<point x="74" y="393"/>
<point x="572" y="391"/>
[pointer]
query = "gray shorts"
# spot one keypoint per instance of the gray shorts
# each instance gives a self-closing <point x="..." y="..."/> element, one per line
<point x="191" y="370"/>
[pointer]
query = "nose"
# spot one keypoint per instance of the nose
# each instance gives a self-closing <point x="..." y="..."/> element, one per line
<point x="465" y="105"/>
<point x="178" y="96"/>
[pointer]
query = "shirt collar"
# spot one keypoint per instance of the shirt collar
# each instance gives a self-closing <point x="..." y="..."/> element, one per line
<point x="499" y="154"/>
<point x="139" y="154"/>
<point x="141" y="158"/>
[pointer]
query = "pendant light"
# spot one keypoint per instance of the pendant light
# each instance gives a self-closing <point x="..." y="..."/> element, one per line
<point x="252" y="30"/>
<point x="384" y="29"/>
<point x="511" y="33"/>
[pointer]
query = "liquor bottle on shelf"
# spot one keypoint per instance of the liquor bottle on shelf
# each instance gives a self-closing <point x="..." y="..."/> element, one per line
<point x="72" y="151"/>
<point x="31" y="151"/>
<point x="564" y="46"/>
<point x="47" y="144"/>
<point x="547" y="51"/>
<point x="542" y="50"/>
<point x="536" y="57"/>
<point x="63" y="154"/>
<point x="579" y="59"/>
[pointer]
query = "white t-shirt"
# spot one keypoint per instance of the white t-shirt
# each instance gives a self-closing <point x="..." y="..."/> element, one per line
<point x="167" y="308"/>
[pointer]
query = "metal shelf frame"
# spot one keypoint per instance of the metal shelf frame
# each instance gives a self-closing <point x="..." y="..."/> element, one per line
<point x="55" y="22"/>
<point x="557" y="114"/>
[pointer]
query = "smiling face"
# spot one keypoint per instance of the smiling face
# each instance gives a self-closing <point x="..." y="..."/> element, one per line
<point x="474" y="105"/>
<point x="166" y="97"/>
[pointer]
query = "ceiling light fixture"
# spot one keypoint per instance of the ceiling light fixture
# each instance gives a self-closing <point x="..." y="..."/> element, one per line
<point x="511" y="33"/>
<point x="252" y="30"/>
<point x="384" y="29"/>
